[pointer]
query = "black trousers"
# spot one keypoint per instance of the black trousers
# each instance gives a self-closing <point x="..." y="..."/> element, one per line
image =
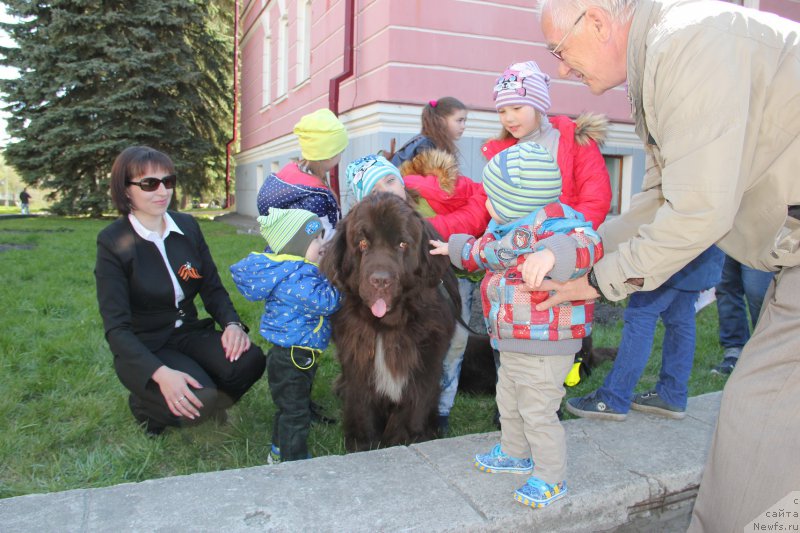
<point x="199" y="353"/>
<point x="291" y="373"/>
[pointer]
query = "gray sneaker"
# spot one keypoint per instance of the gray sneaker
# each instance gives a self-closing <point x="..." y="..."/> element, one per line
<point x="725" y="367"/>
<point x="651" y="402"/>
<point x="729" y="359"/>
<point x="591" y="407"/>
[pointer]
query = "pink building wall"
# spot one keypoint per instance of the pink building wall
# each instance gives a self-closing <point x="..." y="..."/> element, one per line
<point x="789" y="9"/>
<point x="407" y="51"/>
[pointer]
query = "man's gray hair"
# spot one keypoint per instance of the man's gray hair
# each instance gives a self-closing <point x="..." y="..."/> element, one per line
<point x="564" y="12"/>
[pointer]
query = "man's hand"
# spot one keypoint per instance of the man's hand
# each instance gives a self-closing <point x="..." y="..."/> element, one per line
<point x="574" y="289"/>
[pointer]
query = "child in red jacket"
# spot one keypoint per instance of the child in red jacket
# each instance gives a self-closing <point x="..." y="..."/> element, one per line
<point x="522" y="98"/>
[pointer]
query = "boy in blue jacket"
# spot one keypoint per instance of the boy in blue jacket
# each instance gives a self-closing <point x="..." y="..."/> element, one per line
<point x="298" y="301"/>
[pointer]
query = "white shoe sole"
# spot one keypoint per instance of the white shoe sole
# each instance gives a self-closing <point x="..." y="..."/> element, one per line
<point x="666" y="413"/>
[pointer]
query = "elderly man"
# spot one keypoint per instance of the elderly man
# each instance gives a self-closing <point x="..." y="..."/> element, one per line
<point x="715" y="93"/>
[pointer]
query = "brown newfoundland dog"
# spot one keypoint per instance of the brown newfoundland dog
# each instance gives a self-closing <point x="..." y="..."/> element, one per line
<point x="395" y="323"/>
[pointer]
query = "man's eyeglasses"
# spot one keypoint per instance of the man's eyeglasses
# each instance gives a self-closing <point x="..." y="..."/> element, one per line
<point x="151" y="184"/>
<point x="555" y="51"/>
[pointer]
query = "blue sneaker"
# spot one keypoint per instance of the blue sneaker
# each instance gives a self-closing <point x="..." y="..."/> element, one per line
<point x="274" y="456"/>
<point x="537" y="493"/>
<point x="496" y="462"/>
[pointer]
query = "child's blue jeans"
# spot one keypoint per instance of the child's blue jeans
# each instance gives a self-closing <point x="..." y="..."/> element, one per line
<point x="455" y="355"/>
<point x="676" y="309"/>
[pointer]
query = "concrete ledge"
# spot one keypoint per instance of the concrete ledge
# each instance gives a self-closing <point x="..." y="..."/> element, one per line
<point x="638" y="475"/>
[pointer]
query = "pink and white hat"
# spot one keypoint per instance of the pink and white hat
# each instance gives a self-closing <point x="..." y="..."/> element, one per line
<point x="523" y="84"/>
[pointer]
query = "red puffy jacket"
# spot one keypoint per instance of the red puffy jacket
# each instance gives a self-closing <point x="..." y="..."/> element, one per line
<point x="585" y="185"/>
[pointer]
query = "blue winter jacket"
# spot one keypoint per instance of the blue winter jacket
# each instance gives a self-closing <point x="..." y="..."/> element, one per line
<point x="409" y="150"/>
<point x="298" y="299"/>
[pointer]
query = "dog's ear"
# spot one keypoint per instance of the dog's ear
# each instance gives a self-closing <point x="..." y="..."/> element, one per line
<point x="433" y="267"/>
<point x="336" y="263"/>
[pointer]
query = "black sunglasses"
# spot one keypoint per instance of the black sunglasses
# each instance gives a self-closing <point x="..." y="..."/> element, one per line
<point x="151" y="184"/>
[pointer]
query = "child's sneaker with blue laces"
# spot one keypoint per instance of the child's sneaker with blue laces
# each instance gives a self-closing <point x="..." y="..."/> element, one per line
<point x="496" y="461"/>
<point x="274" y="456"/>
<point x="537" y="493"/>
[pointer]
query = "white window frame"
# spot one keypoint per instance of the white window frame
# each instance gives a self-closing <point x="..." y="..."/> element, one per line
<point x="283" y="56"/>
<point x="303" y="40"/>
<point x="266" y="62"/>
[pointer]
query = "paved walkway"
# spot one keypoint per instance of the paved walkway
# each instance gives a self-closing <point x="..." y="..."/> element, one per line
<point x="637" y="475"/>
<point x="244" y="223"/>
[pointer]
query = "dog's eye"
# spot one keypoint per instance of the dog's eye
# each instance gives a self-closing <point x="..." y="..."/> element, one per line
<point x="403" y="245"/>
<point x="363" y="245"/>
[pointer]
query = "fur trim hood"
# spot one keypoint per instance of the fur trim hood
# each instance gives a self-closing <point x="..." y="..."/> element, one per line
<point x="591" y="126"/>
<point x="434" y="162"/>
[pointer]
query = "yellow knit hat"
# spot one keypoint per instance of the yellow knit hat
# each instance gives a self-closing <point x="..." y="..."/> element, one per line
<point x="321" y="135"/>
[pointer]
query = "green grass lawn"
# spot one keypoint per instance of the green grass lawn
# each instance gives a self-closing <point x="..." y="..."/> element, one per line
<point x="13" y="210"/>
<point x="64" y="419"/>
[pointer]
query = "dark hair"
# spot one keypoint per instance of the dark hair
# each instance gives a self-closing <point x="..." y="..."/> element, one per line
<point x="132" y="162"/>
<point x="434" y="122"/>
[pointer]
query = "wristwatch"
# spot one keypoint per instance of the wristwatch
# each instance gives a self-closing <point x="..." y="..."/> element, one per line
<point x="593" y="282"/>
<point x="242" y="326"/>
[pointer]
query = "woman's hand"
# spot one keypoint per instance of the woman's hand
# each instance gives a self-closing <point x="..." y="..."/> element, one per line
<point x="235" y="342"/>
<point x="176" y="388"/>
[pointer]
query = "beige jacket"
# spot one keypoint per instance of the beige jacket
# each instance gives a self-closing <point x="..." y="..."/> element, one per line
<point x="715" y="91"/>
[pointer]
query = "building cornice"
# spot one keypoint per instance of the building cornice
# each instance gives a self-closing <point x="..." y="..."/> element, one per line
<point x="402" y="118"/>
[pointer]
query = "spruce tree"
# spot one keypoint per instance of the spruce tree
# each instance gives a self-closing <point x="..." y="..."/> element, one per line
<point x="97" y="76"/>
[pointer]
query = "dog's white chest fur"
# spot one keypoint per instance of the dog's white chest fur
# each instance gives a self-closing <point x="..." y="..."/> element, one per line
<point x="386" y="383"/>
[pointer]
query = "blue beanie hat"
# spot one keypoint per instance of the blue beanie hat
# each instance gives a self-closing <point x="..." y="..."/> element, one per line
<point x="521" y="179"/>
<point x="363" y="174"/>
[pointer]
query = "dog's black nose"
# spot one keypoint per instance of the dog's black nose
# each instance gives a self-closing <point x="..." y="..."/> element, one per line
<point x="380" y="280"/>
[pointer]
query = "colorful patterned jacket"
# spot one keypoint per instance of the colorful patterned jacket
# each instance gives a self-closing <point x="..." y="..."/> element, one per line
<point x="512" y="321"/>
<point x="298" y="299"/>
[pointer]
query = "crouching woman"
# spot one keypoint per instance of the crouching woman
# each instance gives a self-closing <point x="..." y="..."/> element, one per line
<point x="151" y="264"/>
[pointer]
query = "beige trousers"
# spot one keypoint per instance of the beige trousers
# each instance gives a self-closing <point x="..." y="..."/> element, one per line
<point x="754" y="461"/>
<point x="529" y="392"/>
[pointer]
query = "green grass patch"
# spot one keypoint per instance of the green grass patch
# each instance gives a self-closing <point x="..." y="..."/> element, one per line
<point x="64" y="418"/>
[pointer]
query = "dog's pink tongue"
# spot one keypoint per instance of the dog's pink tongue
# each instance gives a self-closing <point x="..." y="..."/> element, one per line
<point x="379" y="308"/>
